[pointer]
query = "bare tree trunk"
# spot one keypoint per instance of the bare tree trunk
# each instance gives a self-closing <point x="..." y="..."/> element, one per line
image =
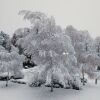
<point x="83" y="76"/>
<point x="52" y="74"/>
<point x="7" y="80"/>
<point x="83" y="79"/>
<point x="52" y="83"/>
<point x="96" y="81"/>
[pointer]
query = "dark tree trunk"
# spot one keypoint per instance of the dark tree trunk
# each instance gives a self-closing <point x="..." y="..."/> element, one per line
<point x="83" y="81"/>
<point x="52" y="83"/>
<point x="96" y="81"/>
<point x="7" y="80"/>
<point x="7" y="83"/>
<point x="52" y="75"/>
<point x="51" y="88"/>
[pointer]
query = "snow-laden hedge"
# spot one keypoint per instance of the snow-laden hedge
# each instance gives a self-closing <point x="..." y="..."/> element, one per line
<point x="59" y="75"/>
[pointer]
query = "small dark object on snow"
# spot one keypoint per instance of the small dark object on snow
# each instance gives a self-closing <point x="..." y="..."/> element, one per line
<point x="85" y="80"/>
<point x="36" y="84"/>
<point x="75" y="87"/>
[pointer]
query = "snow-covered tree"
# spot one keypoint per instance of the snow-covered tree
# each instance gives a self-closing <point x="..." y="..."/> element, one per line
<point x="10" y="60"/>
<point x="97" y="50"/>
<point x="5" y="41"/>
<point x="50" y="48"/>
<point x="85" y="50"/>
<point x="97" y="45"/>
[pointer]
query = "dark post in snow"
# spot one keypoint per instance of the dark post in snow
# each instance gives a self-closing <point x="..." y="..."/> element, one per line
<point x="52" y="83"/>
<point x="96" y="81"/>
<point x="7" y="80"/>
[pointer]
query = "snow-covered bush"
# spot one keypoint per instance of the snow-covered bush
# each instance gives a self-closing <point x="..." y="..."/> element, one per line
<point x="76" y="83"/>
<point x="34" y="76"/>
<point x="59" y="75"/>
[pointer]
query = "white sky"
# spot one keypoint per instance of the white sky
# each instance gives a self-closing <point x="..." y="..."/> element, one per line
<point x="82" y="14"/>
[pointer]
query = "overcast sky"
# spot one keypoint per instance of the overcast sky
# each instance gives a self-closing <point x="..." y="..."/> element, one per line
<point x="82" y="14"/>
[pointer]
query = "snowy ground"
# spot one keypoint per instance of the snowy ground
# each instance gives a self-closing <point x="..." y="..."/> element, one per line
<point x="23" y="92"/>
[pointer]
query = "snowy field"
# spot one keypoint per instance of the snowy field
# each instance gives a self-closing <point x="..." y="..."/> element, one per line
<point x="23" y="92"/>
